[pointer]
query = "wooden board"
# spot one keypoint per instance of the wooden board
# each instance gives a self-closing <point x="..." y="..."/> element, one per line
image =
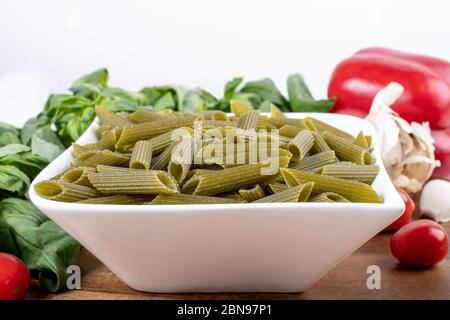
<point x="346" y="281"/>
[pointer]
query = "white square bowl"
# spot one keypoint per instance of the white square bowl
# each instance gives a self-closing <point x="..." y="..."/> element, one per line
<point x="263" y="247"/>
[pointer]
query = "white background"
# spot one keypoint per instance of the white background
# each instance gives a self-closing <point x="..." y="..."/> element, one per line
<point x="45" y="45"/>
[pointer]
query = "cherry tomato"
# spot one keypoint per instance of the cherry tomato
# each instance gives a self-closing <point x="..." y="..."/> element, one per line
<point x="421" y="243"/>
<point x="406" y="217"/>
<point x="14" y="277"/>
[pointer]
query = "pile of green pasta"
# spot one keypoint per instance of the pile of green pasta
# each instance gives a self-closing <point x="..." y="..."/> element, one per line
<point x="137" y="161"/>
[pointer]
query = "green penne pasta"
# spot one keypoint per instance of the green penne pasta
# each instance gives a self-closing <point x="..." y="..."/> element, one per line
<point x="142" y="115"/>
<point x="65" y="191"/>
<point x="279" y="122"/>
<point x="118" y="199"/>
<point x="320" y="126"/>
<point x="96" y="157"/>
<point x="276" y="113"/>
<point x="298" y="193"/>
<point x="238" y="177"/>
<point x="219" y="123"/>
<point x="300" y="145"/>
<point x="162" y="141"/>
<point x="328" y="197"/>
<point x="354" y="191"/>
<point x="239" y="108"/>
<point x="141" y="156"/>
<point x="319" y="143"/>
<point x="106" y="142"/>
<point x="190" y="199"/>
<point x="249" y="120"/>
<point x="252" y="194"/>
<point x="215" y="116"/>
<point x="289" y="131"/>
<point x="146" y="182"/>
<point x="318" y="160"/>
<point x="347" y="150"/>
<point x="181" y="159"/>
<point x="111" y="119"/>
<point x="161" y="162"/>
<point x="362" y="173"/>
<point x="147" y="130"/>
<point x="276" y="187"/>
<point x="112" y="169"/>
<point x="361" y="141"/>
<point x="232" y="195"/>
<point x="368" y="141"/>
<point x="78" y="176"/>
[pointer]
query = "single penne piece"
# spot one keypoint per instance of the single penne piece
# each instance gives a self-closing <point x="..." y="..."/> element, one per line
<point x="279" y="122"/>
<point x="215" y="116"/>
<point x="110" y="118"/>
<point x="300" y="145"/>
<point x="145" y="182"/>
<point x="239" y="108"/>
<point x="368" y="140"/>
<point x="171" y="114"/>
<point x="361" y="141"/>
<point x="112" y="169"/>
<point x="319" y="143"/>
<point x="275" y="112"/>
<point x="96" y="157"/>
<point x="252" y="194"/>
<point x="147" y="130"/>
<point x="346" y="150"/>
<point x="190" y="199"/>
<point x="232" y="195"/>
<point x="161" y="162"/>
<point x="141" y="156"/>
<point x="362" y="173"/>
<point x="118" y="199"/>
<point x="162" y="141"/>
<point x="354" y="191"/>
<point x="298" y="193"/>
<point x="78" y="176"/>
<point x="107" y="142"/>
<point x="320" y="126"/>
<point x="249" y="120"/>
<point x="181" y="159"/>
<point x="328" y="197"/>
<point x="289" y="131"/>
<point x="219" y="123"/>
<point x="238" y="177"/>
<point x="318" y="160"/>
<point x="102" y="128"/>
<point x="276" y="187"/>
<point x="65" y="191"/>
<point x="142" y="115"/>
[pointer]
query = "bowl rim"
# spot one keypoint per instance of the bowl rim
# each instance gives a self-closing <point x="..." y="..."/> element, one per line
<point x="395" y="202"/>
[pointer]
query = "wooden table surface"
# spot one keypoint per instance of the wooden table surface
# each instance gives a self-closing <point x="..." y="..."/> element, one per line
<point x="346" y="281"/>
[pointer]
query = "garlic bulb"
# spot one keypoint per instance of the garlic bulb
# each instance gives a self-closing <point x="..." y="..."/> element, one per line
<point x="407" y="149"/>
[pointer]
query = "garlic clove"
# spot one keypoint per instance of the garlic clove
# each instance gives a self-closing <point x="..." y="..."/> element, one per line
<point x="435" y="200"/>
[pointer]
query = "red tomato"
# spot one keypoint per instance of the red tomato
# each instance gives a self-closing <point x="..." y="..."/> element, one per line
<point x="421" y="243"/>
<point x="14" y="277"/>
<point x="406" y="217"/>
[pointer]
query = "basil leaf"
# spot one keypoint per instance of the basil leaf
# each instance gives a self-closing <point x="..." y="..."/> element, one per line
<point x="91" y="84"/>
<point x="13" y="148"/>
<point x="301" y="98"/>
<point x="115" y="104"/>
<point x="230" y="87"/>
<point x="44" y="247"/>
<point x="165" y="102"/>
<point x="265" y="106"/>
<point x="26" y="162"/>
<point x="13" y="180"/>
<point x="30" y="128"/>
<point x="251" y="99"/>
<point x="151" y="95"/>
<point x="266" y="90"/>
<point x="7" y="243"/>
<point x="8" y="134"/>
<point x="46" y="144"/>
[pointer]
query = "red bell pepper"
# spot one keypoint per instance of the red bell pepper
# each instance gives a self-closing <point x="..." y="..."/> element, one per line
<point x="426" y="80"/>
